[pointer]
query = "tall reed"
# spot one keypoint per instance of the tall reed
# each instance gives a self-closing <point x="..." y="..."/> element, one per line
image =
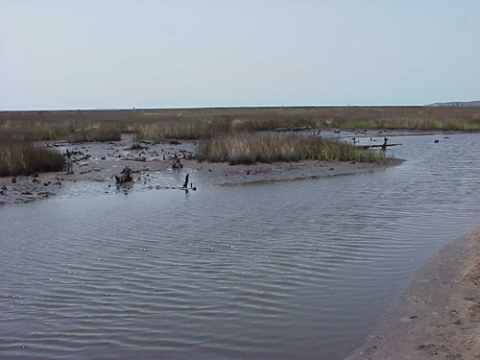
<point x="267" y="148"/>
<point x="25" y="158"/>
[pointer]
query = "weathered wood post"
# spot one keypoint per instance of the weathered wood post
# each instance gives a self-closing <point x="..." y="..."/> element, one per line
<point x="384" y="146"/>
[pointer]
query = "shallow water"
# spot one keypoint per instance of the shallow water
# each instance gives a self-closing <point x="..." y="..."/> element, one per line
<point x="287" y="270"/>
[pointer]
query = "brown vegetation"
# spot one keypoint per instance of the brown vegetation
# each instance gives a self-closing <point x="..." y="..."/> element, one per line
<point x="267" y="148"/>
<point x="222" y="125"/>
<point x="160" y="125"/>
<point x="23" y="158"/>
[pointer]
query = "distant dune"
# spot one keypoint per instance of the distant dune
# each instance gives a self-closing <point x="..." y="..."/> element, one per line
<point x="457" y="103"/>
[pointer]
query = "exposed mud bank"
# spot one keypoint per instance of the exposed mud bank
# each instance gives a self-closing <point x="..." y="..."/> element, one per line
<point x="102" y="161"/>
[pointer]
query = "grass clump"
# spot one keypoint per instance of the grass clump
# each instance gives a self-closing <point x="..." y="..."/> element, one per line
<point x="267" y="148"/>
<point x="24" y="158"/>
<point x="249" y="149"/>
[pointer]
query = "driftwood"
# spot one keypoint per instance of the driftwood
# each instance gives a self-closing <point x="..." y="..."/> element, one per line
<point x="378" y="146"/>
<point x="383" y="146"/>
<point x="140" y="170"/>
<point x="86" y="157"/>
<point x="140" y="158"/>
<point x="124" y="177"/>
<point x="184" y="187"/>
<point x="160" y="187"/>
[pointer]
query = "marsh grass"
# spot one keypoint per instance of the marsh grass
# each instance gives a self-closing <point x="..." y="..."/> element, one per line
<point x="269" y="124"/>
<point x="192" y="128"/>
<point x="193" y="124"/>
<point x="267" y="148"/>
<point x="79" y="131"/>
<point x="419" y="121"/>
<point x="178" y="129"/>
<point x="97" y="133"/>
<point x="25" y="158"/>
<point x="34" y="130"/>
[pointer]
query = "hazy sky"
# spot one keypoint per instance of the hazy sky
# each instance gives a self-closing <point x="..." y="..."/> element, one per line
<point x="69" y="54"/>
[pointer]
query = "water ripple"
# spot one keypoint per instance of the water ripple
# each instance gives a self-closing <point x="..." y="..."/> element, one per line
<point x="301" y="269"/>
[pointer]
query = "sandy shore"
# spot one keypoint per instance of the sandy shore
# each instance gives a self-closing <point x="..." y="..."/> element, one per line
<point x="438" y="314"/>
<point x="101" y="161"/>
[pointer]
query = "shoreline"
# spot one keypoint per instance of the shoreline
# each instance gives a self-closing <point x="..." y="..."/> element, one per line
<point x="99" y="162"/>
<point x="26" y="189"/>
<point x="438" y="314"/>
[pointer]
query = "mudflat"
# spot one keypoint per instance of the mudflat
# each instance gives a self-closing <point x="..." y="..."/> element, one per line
<point x="101" y="161"/>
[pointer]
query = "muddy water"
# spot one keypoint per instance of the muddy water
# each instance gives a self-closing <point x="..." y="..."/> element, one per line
<point x="288" y="270"/>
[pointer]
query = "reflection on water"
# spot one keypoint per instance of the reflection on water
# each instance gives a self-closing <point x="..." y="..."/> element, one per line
<point x="301" y="269"/>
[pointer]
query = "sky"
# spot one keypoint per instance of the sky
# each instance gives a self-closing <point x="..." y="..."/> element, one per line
<point x="91" y="54"/>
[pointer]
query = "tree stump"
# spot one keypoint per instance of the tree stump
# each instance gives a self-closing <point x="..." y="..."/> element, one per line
<point x="185" y="184"/>
<point x="176" y="164"/>
<point x="125" y="176"/>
